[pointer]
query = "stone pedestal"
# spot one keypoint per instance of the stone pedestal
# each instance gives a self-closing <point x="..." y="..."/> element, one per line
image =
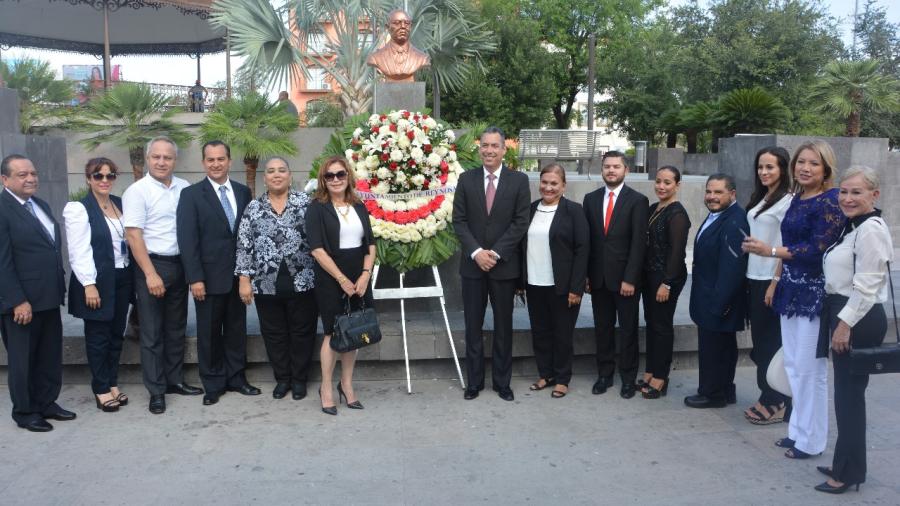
<point x="394" y="96"/>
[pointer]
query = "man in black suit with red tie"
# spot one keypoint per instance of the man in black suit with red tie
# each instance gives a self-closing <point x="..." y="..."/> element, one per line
<point x="32" y="288"/>
<point x="490" y="217"/>
<point x="617" y="218"/>
<point x="208" y="216"/>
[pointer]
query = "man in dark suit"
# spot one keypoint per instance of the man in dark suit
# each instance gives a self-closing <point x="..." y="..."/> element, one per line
<point x="717" y="292"/>
<point x="617" y="217"/>
<point x="208" y="216"/>
<point x="32" y="287"/>
<point x="490" y="217"/>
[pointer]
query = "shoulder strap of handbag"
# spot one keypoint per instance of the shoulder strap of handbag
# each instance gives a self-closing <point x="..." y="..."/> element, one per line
<point x="890" y="281"/>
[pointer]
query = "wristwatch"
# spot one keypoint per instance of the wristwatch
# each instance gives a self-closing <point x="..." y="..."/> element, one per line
<point x="773" y="250"/>
<point x="667" y="287"/>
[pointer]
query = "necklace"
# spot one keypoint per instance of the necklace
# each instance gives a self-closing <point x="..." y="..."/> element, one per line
<point x="656" y="214"/>
<point x="343" y="214"/>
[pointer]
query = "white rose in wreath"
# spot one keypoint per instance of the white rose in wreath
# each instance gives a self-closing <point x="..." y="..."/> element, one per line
<point x="397" y="155"/>
<point x="434" y="160"/>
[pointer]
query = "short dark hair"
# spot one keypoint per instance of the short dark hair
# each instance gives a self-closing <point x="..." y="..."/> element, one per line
<point x="95" y="164"/>
<point x="673" y="169"/>
<point x="729" y="181"/>
<point x="4" y="165"/>
<point x="614" y="154"/>
<point x="213" y="144"/>
<point x="493" y="130"/>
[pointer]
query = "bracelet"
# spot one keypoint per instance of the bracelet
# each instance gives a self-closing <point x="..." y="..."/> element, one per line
<point x="667" y="287"/>
<point x="776" y="278"/>
<point x="773" y="250"/>
<point x="367" y="270"/>
<point x="341" y="280"/>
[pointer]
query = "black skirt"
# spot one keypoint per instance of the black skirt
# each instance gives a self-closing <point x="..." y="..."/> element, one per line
<point x="329" y="295"/>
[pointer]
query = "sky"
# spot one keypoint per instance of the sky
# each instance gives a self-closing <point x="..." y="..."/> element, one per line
<point x="182" y="70"/>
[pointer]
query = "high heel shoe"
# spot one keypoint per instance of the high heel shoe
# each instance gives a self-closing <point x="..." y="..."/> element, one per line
<point x="329" y="410"/>
<point x="655" y="393"/>
<point x="110" y="406"/>
<point x="828" y="489"/>
<point x="825" y="470"/>
<point x="352" y="405"/>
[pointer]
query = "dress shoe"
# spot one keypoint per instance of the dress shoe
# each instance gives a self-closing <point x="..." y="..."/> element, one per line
<point x="36" y="424"/>
<point x="328" y="410"/>
<point x="210" y="398"/>
<point x="506" y="394"/>
<point x="183" y="389"/>
<point x="471" y="393"/>
<point x="157" y="404"/>
<point x="281" y="389"/>
<point x="245" y="389"/>
<point x="54" y="412"/>
<point x="352" y="405"/>
<point x="298" y="391"/>
<point x="702" y="401"/>
<point x="825" y="470"/>
<point x="628" y="390"/>
<point x="829" y="489"/>
<point x="601" y="385"/>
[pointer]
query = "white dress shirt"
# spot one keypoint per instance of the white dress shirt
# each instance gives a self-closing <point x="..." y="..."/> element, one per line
<point x="42" y="217"/>
<point x="537" y="255"/>
<point x="78" y="239"/>
<point x="352" y="232"/>
<point x="150" y="205"/>
<point x="229" y="192"/>
<point x="616" y="191"/>
<point x="767" y="228"/>
<point x="871" y="242"/>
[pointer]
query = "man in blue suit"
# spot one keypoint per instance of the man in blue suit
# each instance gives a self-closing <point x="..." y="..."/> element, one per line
<point x="717" y="292"/>
<point x="32" y="288"/>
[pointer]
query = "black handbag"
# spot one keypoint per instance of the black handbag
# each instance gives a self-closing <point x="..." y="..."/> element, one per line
<point x="355" y="329"/>
<point x="881" y="359"/>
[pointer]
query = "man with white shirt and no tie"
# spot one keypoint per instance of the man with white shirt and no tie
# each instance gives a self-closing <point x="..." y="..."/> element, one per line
<point x="150" y="206"/>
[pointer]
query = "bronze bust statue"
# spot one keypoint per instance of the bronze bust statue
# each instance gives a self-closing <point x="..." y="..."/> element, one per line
<point x="398" y="60"/>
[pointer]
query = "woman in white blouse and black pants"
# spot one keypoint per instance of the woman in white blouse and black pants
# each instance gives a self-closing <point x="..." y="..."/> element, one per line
<point x="555" y="268"/>
<point x="856" y="284"/>
<point x="101" y="287"/>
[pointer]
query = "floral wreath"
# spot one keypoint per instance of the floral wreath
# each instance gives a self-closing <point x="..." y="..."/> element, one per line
<point x="406" y="169"/>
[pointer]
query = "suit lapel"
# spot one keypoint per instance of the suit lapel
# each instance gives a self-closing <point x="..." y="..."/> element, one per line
<point x="213" y="199"/>
<point x="714" y="226"/>
<point x="30" y="218"/>
<point x="502" y="173"/>
<point x="617" y="205"/>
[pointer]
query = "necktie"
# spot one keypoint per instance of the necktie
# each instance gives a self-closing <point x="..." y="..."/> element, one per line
<point x="226" y="205"/>
<point x="30" y="206"/>
<point x="609" y="211"/>
<point x="490" y="192"/>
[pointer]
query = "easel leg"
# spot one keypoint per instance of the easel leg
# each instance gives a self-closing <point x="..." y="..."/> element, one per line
<point x="405" y="347"/>
<point x="437" y="281"/>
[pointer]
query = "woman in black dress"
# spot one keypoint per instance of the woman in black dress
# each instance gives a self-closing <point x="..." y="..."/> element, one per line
<point x="342" y="243"/>
<point x="664" y="275"/>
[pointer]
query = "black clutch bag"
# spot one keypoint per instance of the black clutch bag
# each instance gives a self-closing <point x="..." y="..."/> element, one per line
<point x="355" y="329"/>
<point x="883" y="359"/>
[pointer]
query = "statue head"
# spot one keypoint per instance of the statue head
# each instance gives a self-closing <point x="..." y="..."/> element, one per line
<point x="399" y="25"/>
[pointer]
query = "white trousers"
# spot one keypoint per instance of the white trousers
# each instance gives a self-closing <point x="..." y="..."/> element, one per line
<point x="808" y="377"/>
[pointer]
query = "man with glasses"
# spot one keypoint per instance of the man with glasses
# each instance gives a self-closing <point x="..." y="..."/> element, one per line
<point x="32" y="288"/>
<point x="150" y="226"/>
<point x="398" y="60"/>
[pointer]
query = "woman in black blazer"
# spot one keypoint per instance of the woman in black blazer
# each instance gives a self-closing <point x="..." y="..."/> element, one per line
<point x="100" y="289"/>
<point x="342" y="243"/>
<point x="555" y="268"/>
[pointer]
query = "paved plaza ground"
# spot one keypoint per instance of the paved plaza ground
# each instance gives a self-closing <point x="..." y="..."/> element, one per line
<point x="431" y="447"/>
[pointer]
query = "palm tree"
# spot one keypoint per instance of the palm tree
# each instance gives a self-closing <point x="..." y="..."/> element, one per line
<point x="254" y="128"/>
<point x="43" y="99"/>
<point x="749" y="110"/>
<point x="260" y="32"/>
<point x="129" y="115"/>
<point x="847" y="87"/>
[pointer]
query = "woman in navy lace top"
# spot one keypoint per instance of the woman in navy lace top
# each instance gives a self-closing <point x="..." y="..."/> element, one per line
<point x="812" y="223"/>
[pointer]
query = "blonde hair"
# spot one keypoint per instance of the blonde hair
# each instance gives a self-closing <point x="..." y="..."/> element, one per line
<point x="322" y="194"/>
<point x="829" y="162"/>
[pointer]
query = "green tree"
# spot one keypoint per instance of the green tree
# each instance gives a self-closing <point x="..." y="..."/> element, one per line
<point x="44" y="100"/>
<point x="849" y="87"/>
<point x="129" y="115"/>
<point x="254" y="128"/>
<point x="879" y="39"/>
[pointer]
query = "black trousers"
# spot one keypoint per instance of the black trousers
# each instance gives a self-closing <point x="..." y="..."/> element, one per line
<point x="475" y="297"/>
<point x="849" y="464"/>
<point x="34" y="354"/>
<point x="718" y="359"/>
<point x="103" y="339"/>
<point x="660" y="327"/>
<point x="607" y="305"/>
<point x="222" y="340"/>
<point x="765" y="331"/>
<point x="163" y="321"/>
<point x="552" y="327"/>
<point x="288" y="325"/>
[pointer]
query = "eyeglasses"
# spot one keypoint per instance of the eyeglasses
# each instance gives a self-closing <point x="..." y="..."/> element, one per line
<point x="340" y="176"/>
<point x="96" y="176"/>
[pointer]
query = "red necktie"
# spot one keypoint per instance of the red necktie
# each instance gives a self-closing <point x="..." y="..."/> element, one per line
<point x="609" y="211"/>
<point x="490" y="192"/>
